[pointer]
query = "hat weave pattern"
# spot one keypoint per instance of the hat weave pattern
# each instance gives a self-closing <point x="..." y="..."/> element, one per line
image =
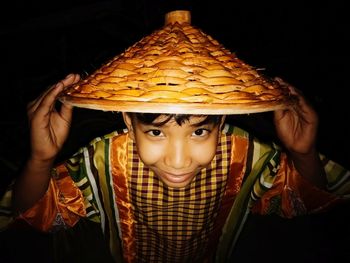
<point x="178" y="69"/>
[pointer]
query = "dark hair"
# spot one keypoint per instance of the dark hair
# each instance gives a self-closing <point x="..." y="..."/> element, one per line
<point x="149" y="118"/>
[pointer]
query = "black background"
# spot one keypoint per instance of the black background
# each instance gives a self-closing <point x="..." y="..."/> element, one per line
<point x="41" y="42"/>
<point x="44" y="41"/>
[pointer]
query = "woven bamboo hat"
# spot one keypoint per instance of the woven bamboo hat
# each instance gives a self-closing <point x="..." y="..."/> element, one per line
<point x="178" y="69"/>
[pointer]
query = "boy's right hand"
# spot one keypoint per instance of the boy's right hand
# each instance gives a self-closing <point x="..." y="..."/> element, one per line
<point x="49" y="127"/>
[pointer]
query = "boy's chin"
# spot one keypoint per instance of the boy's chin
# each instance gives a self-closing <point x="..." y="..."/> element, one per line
<point x="176" y="185"/>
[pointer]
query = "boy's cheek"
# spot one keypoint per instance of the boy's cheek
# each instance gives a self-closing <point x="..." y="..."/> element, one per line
<point x="206" y="153"/>
<point x="204" y="156"/>
<point x="149" y="154"/>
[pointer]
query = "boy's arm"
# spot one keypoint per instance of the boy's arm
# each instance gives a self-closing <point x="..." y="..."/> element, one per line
<point x="49" y="129"/>
<point x="297" y="129"/>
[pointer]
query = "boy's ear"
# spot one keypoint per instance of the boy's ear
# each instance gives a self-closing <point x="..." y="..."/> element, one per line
<point x="128" y="123"/>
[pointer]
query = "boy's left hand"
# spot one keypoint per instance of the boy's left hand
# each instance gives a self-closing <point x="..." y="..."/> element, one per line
<point x="297" y="126"/>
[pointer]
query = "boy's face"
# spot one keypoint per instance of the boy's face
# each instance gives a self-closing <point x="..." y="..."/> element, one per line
<point x="176" y="154"/>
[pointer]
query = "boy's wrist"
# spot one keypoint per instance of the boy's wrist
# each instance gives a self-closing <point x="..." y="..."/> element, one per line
<point x="312" y="153"/>
<point x="40" y="163"/>
<point x="302" y="152"/>
<point x="310" y="167"/>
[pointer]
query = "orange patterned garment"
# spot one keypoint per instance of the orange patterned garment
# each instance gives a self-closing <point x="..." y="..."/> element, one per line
<point x="146" y="221"/>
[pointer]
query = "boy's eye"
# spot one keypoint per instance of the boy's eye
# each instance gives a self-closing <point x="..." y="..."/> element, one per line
<point x="154" y="133"/>
<point x="200" y="132"/>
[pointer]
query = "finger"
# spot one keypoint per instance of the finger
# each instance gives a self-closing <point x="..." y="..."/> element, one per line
<point x="48" y="102"/>
<point x="285" y="115"/>
<point x="32" y="105"/>
<point x="279" y="114"/>
<point x="293" y="90"/>
<point x="303" y="105"/>
<point x="68" y="80"/>
<point x="301" y="102"/>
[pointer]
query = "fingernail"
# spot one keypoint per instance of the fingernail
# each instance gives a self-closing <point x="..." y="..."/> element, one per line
<point x="69" y="76"/>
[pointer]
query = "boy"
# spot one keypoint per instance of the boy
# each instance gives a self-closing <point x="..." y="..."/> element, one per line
<point x="173" y="188"/>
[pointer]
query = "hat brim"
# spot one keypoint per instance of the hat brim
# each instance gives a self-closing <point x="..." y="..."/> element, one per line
<point x="179" y="108"/>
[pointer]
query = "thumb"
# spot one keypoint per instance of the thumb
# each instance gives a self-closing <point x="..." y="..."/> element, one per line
<point x="66" y="112"/>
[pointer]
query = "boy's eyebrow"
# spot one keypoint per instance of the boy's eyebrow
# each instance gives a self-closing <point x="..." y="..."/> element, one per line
<point x="203" y="122"/>
<point x="198" y="124"/>
<point x="206" y="120"/>
<point x="161" y="123"/>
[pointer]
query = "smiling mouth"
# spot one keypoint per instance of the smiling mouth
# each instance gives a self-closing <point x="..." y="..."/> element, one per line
<point x="177" y="178"/>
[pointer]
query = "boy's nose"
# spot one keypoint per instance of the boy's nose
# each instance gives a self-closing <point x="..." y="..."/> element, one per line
<point x="177" y="156"/>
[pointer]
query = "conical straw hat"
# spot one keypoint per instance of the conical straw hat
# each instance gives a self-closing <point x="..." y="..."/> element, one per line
<point x="178" y="69"/>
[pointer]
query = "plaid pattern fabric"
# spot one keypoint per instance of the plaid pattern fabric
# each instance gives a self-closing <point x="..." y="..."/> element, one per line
<point x="174" y="225"/>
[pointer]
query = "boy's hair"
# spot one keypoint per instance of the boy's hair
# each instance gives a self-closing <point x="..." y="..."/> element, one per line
<point x="149" y="118"/>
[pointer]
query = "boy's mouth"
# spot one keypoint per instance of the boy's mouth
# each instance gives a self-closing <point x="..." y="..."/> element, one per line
<point x="177" y="178"/>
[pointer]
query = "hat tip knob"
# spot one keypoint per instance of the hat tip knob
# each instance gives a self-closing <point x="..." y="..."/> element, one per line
<point x="179" y="16"/>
